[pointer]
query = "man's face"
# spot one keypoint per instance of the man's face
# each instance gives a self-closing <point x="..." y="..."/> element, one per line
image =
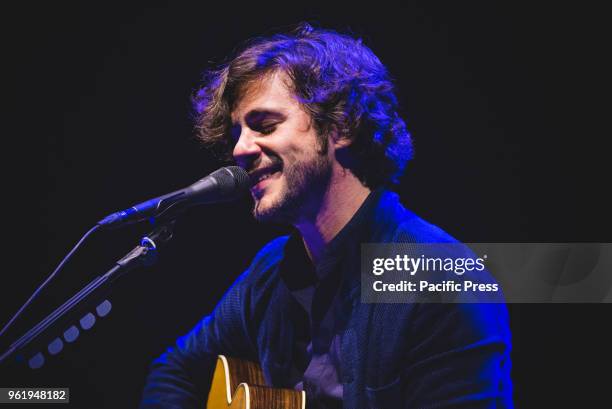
<point x="276" y="142"/>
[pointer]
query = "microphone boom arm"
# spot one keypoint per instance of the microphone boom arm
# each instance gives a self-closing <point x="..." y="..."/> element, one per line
<point x="145" y="254"/>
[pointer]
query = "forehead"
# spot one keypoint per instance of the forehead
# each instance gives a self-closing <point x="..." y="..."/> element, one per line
<point x="269" y="93"/>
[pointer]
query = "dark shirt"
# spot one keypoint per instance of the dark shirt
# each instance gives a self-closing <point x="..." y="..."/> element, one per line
<point x="317" y="351"/>
<point x="383" y="355"/>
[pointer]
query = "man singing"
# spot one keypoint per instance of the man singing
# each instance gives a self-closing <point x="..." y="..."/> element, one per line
<point x="312" y="116"/>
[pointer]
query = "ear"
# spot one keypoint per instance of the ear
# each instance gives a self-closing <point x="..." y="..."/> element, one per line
<point x="338" y="140"/>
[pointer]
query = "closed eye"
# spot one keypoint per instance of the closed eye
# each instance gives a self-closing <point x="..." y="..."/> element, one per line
<point x="264" y="122"/>
<point x="266" y="130"/>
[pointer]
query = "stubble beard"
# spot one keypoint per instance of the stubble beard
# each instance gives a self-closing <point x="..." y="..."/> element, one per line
<point x="305" y="183"/>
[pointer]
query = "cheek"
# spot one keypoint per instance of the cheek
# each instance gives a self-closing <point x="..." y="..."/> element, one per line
<point x="296" y="143"/>
<point x="287" y="152"/>
<point x="307" y="146"/>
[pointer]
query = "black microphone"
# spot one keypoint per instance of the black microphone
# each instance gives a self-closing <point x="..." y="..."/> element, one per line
<point x="225" y="184"/>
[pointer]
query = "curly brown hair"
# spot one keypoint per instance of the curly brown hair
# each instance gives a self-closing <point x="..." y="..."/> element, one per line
<point x="339" y="81"/>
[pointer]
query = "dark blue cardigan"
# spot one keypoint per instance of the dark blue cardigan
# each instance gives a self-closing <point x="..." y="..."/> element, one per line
<point x="393" y="355"/>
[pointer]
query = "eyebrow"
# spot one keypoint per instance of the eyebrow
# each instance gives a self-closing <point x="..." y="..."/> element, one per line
<point x="257" y="116"/>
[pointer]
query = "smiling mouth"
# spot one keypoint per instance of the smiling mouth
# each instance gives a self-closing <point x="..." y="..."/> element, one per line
<point x="263" y="177"/>
<point x="259" y="175"/>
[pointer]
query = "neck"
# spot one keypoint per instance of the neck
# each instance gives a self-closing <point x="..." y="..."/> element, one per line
<point x="341" y="200"/>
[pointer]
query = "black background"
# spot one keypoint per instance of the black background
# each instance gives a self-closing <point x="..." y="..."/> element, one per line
<point x="505" y="102"/>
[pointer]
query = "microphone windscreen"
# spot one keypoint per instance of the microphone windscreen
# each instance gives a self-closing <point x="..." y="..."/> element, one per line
<point x="233" y="181"/>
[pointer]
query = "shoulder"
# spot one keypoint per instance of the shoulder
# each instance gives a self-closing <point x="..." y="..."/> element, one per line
<point x="396" y="223"/>
<point x="262" y="273"/>
<point x="270" y="254"/>
<point x="259" y="283"/>
<point x="415" y="229"/>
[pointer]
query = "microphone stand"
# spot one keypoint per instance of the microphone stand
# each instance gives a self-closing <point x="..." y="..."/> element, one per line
<point x="144" y="254"/>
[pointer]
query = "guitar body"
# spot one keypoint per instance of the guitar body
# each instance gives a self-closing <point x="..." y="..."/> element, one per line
<point x="238" y="384"/>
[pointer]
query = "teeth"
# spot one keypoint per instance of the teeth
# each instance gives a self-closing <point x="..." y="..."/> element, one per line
<point x="263" y="177"/>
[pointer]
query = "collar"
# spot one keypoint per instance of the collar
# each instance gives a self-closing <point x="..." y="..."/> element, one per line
<point x="296" y="268"/>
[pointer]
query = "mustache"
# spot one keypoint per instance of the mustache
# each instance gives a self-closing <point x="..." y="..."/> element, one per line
<point x="260" y="163"/>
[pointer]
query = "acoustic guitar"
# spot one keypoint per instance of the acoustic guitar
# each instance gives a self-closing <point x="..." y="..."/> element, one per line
<point x="238" y="384"/>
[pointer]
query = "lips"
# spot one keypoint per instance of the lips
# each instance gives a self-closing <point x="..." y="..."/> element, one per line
<point x="259" y="176"/>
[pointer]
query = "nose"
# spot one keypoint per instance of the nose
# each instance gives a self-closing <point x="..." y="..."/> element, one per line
<point x="246" y="149"/>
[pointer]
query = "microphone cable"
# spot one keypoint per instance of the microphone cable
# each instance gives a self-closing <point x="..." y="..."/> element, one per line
<point x="44" y="284"/>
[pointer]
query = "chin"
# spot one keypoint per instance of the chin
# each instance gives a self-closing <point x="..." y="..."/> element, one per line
<point x="272" y="207"/>
<point x="264" y="208"/>
<point x="261" y="207"/>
